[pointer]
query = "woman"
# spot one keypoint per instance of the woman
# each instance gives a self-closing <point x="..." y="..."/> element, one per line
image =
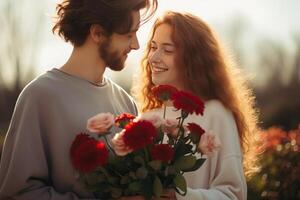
<point x="184" y="52"/>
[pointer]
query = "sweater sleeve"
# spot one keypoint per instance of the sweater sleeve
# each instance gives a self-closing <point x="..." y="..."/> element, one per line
<point x="227" y="181"/>
<point x="24" y="166"/>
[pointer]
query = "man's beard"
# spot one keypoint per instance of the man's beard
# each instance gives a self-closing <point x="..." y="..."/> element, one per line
<point x="113" y="59"/>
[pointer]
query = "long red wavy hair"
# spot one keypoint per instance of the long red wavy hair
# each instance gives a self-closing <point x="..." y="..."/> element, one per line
<point x="206" y="72"/>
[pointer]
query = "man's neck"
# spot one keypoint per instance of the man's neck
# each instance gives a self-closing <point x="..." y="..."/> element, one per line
<point x="85" y="64"/>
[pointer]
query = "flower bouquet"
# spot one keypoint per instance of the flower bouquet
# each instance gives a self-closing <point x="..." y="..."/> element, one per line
<point x="149" y="154"/>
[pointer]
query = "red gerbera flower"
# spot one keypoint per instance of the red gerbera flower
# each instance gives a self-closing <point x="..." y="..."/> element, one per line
<point x="139" y="134"/>
<point x="163" y="152"/>
<point x="123" y="119"/>
<point x="88" y="153"/>
<point x="196" y="131"/>
<point x="80" y="138"/>
<point x="188" y="102"/>
<point x="163" y="92"/>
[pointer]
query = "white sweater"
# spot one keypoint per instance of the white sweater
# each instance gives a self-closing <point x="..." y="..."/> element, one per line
<point x="221" y="177"/>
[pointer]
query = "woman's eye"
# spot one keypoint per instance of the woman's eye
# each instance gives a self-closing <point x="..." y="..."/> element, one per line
<point x="169" y="51"/>
<point x="153" y="48"/>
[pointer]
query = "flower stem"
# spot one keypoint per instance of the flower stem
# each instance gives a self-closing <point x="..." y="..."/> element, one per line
<point x="165" y="110"/>
<point x="146" y="154"/>
<point x="109" y="146"/>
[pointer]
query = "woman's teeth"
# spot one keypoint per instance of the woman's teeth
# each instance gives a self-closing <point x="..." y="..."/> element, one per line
<point x="159" y="69"/>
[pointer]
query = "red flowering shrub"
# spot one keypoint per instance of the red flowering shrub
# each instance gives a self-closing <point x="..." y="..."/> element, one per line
<point x="162" y="152"/>
<point x="278" y="176"/>
<point x="87" y="153"/>
<point x="139" y="134"/>
<point x="163" y="92"/>
<point x="123" y="119"/>
<point x="188" y="102"/>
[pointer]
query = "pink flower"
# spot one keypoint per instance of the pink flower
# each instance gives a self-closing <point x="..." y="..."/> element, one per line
<point x="209" y="143"/>
<point x="100" y="123"/>
<point x="170" y="126"/>
<point x="119" y="146"/>
<point x="152" y="116"/>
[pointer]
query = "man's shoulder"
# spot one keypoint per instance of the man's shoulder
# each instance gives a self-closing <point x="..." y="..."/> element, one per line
<point x="121" y="95"/>
<point x="40" y="85"/>
<point x="117" y="89"/>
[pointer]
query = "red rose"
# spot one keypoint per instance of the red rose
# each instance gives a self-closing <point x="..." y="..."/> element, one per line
<point x="196" y="131"/>
<point x="123" y="119"/>
<point x="163" y="92"/>
<point x="88" y="153"/>
<point x="139" y="134"/>
<point x="188" y="102"/>
<point x="163" y="152"/>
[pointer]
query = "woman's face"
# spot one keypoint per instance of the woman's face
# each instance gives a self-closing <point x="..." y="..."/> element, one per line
<point x="164" y="69"/>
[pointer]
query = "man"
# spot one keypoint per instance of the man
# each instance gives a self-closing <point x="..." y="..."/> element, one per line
<point x="54" y="107"/>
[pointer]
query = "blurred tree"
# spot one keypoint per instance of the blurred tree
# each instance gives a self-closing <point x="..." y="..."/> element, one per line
<point x="278" y="98"/>
<point x="21" y="25"/>
<point x="277" y="72"/>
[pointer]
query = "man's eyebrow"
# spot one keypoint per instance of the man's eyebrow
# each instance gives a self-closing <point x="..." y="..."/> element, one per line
<point x="135" y="29"/>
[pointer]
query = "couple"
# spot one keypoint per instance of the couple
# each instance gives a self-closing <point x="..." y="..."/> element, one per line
<point x="52" y="109"/>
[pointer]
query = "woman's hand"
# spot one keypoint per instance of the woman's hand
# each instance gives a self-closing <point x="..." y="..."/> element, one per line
<point x="132" y="198"/>
<point x="168" y="194"/>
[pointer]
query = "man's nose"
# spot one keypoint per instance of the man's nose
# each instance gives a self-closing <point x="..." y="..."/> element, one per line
<point x="135" y="43"/>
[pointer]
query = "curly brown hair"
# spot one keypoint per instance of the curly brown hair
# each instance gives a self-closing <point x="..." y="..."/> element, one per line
<point x="75" y="17"/>
<point x="207" y="72"/>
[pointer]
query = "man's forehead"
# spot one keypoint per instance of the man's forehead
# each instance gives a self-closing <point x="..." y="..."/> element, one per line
<point x="136" y="21"/>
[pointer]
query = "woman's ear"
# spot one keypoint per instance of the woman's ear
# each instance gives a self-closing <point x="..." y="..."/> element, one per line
<point x="96" y="33"/>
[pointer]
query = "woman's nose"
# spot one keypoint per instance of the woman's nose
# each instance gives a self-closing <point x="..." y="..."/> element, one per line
<point x="156" y="56"/>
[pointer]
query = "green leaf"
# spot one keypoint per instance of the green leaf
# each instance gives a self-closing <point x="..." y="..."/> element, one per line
<point x="155" y="164"/>
<point x="141" y="173"/>
<point x="197" y="165"/>
<point x="116" y="192"/>
<point x="157" y="187"/>
<point x="139" y="159"/>
<point x="132" y="175"/>
<point x="134" y="186"/>
<point x="113" y="180"/>
<point x="180" y="183"/>
<point x="93" y="179"/>
<point x="125" y="180"/>
<point x="185" y="162"/>
<point x="170" y="170"/>
<point x="147" y="188"/>
<point x="160" y="135"/>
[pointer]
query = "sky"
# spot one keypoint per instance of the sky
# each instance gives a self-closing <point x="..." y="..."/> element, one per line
<point x="273" y="19"/>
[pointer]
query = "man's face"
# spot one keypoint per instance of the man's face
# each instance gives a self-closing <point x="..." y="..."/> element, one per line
<point x="114" y="49"/>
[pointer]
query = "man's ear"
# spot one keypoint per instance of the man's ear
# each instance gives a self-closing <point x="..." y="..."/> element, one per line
<point x="96" y="33"/>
